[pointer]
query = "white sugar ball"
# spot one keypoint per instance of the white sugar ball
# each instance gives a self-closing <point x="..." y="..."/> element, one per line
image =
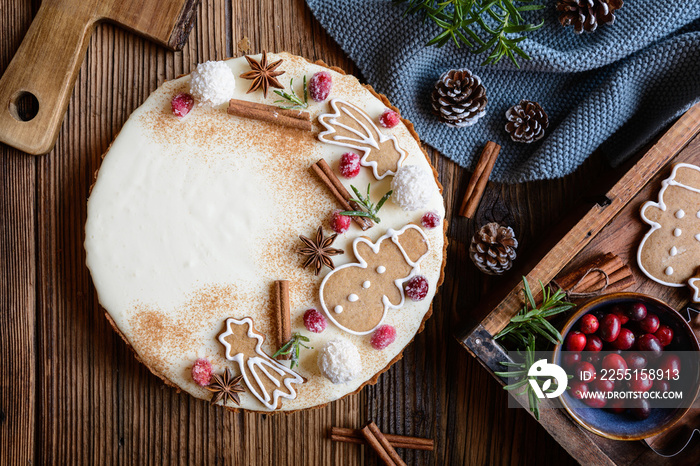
<point x="212" y="83"/>
<point x="339" y="361"/>
<point x="413" y="187"/>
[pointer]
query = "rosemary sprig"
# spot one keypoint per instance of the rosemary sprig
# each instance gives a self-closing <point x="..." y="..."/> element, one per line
<point x="496" y="26"/>
<point x="291" y="100"/>
<point x="372" y="209"/>
<point x="531" y="320"/>
<point x="293" y="347"/>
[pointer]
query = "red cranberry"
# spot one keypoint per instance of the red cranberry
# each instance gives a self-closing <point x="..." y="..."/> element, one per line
<point x="650" y="323"/>
<point x="603" y="385"/>
<point x="641" y="409"/>
<point x="575" y="341"/>
<point x="320" y="86"/>
<point x="417" y="288"/>
<point x="671" y="365"/>
<point x="571" y="360"/>
<point x="616" y="406"/>
<point x="609" y="328"/>
<point x="636" y="361"/>
<point x="593" y="358"/>
<point x="637" y="311"/>
<point x="594" y="343"/>
<point x="641" y="382"/>
<point x="614" y="362"/>
<point x="383" y="337"/>
<point x="624" y="340"/>
<point x="589" y="324"/>
<point x="430" y="220"/>
<point x="578" y="389"/>
<point x="314" y="321"/>
<point x="339" y="223"/>
<point x="389" y="119"/>
<point x="649" y="342"/>
<point x="182" y="104"/>
<point x="662" y="385"/>
<point x="349" y="165"/>
<point x="595" y="402"/>
<point x="664" y="334"/>
<point x="585" y="372"/>
<point x="620" y="313"/>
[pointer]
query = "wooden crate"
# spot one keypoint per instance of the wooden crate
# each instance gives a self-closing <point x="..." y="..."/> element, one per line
<point x="612" y="225"/>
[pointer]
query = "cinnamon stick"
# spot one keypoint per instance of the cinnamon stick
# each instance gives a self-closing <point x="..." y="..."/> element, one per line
<point x="341" y="434"/>
<point x="270" y="114"/>
<point x="284" y="326"/>
<point x="381" y="445"/>
<point x="326" y="175"/>
<point x="590" y="277"/>
<point x="477" y="183"/>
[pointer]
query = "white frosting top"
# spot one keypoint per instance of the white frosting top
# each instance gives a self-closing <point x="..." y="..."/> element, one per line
<point x="413" y="187"/>
<point x="212" y="83"/>
<point x="192" y="220"/>
<point x="339" y="361"/>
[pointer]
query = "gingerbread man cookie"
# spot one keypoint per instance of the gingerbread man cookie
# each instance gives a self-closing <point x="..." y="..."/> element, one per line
<point x="351" y="127"/>
<point x="357" y="296"/>
<point x="267" y="379"/>
<point x="669" y="253"/>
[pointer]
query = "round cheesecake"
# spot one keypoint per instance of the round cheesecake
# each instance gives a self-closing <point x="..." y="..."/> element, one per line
<point x="193" y="219"/>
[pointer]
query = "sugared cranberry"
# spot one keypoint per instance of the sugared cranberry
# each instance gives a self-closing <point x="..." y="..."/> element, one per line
<point x="589" y="324"/>
<point x="417" y="288"/>
<point x="340" y="223"/>
<point x="664" y="334"/>
<point x="314" y="321"/>
<point x="320" y="86"/>
<point x="614" y="362"/>
<point x="585" y="372"/>
<point x="637" y="312"/>
<point x="201" y="372"/>
<point x="349" y="166"/>
<point x="624" y="340"/>
<point x="389" y="118"/>
<point x="430" y="220"/>
<point x="383" y="337"/>
<point x="649" y="342"/>
<point x="650" y="323"/>
<point x="635" y="360"/>
<point x="575" y="341"/>
<point x="593" y="343"/>
<point x="609" y="327"/>
<point x="578" y="389"/>
<point x="182" y="104"/>
<point x="641" y="409"/>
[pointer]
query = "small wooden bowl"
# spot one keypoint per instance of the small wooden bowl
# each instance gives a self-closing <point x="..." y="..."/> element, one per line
<point x="621" y="427"/>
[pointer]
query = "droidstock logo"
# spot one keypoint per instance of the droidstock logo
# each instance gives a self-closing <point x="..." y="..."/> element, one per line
<point x="542" y="368"/>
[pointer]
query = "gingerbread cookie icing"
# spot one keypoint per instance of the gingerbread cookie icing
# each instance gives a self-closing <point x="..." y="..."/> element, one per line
<point x="196" y="213"/>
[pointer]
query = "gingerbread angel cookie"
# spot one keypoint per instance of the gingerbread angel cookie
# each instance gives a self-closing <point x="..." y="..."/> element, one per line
<point x="357" y="296"/>
<point x="267" y="379"/>
<point x="670" y="251"/>
<point x="351" y="127"/>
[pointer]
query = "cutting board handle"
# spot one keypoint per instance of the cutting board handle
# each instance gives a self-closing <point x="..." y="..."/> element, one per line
<point x="45" y="66"/>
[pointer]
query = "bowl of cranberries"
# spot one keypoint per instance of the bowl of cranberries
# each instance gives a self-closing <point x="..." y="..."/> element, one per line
<point x="633" y="364"/>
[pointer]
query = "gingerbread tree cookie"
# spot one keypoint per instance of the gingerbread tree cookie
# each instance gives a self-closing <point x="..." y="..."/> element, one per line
<point x="357" y="296"/>
<point x="267" y="379"/>
<point x="351" y="127"/>
<point x="670" y="252"/>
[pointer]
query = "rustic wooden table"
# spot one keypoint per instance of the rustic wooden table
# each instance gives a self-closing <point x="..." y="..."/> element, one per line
<point x="71" y="392"/>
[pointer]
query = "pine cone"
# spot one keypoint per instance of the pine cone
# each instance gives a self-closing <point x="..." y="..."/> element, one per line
<point x="527" y="122"/>
<point x="587" y="14"/>
<point x="493" y="248"/>
<point x="459" y="98"/>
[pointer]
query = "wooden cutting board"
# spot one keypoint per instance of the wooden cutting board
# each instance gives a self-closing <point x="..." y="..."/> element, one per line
<point x="37" y="85"/>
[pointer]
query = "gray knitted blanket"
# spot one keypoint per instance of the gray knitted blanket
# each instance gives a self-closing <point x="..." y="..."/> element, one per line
<point x="614" y="88"/>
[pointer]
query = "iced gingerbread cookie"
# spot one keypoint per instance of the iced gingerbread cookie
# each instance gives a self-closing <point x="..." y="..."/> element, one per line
<point x="207" y="199"/>
<point x="670" y="251"/>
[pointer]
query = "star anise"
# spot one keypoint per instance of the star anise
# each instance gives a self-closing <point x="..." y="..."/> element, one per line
<point x="262" y="74"/>
<point x="226" y="387"/>
<point x="319" y="252"/>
